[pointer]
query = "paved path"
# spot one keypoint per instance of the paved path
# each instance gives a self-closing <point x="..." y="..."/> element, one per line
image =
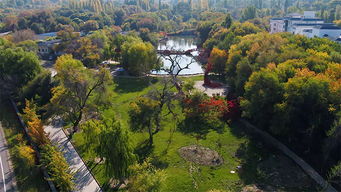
<point x="85" y="182"/>
<point x="7" y="178"/>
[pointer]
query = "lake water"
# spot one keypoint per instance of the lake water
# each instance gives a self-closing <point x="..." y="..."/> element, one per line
<point x="181" y="43"/>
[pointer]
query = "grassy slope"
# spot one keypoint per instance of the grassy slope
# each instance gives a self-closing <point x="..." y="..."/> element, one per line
<point x="27" y="180"/>
<point x="165" y="153"/>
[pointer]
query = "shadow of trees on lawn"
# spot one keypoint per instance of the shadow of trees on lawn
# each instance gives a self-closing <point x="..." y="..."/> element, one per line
<point x="143" y="150"/>
<point x="133" y="84"/>
<point x="265" y="168"/>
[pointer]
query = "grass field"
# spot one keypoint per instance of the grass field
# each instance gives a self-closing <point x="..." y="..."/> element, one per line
<point x="28" y="179"/>
<point x="232" y="144"/>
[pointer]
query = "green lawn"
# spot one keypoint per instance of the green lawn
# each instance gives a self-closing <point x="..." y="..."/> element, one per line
<point x="233" y="145"/>
<point x="28" y="180"/>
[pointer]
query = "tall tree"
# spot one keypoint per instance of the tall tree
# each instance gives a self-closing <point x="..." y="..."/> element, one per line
<point x="17" y="68"/>
<point x="228" y="21"/>
<point x="139" y="58"/>
<point x="249" y="13"/>
<point x="78" y="85"/>
<point x="143" y="114"/>
<point x="119" y="159"/>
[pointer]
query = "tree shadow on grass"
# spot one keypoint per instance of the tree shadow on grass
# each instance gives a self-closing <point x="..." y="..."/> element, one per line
<point x="237" y="130"/>
<point x="265" y="168"/>
<point x="143" y="150"/>
<point x="251" y="153"/>
<point x="200" y="128"/>
<point x="127" y="85"/>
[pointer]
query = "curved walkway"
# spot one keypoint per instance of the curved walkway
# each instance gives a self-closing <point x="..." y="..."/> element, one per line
<point x="84" y="180"/>
<point x="305" y="166"/>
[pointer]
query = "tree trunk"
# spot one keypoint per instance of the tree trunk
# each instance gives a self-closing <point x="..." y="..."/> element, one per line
<point x="150" y="134"/>
<point x="76" y="123"/>
<point x="158" y="122"/>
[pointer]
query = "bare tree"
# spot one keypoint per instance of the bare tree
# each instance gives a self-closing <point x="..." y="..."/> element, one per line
<point x="23" y="35"/>
<point x="175" y="67"/>
<point x="164" y="96"/>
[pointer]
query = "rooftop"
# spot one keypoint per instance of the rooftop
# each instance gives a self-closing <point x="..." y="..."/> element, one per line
<point x="327" y="27"/>
<point x="312" y="24"/>
<point x="49" y="42"/>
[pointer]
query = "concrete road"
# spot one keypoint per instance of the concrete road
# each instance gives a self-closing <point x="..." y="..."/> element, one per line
<point x="7" y="178"/>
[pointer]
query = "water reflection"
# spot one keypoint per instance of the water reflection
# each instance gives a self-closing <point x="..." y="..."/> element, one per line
<point x="182" y="43"/>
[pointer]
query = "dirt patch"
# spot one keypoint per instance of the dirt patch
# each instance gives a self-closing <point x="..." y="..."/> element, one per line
<point x="201" y="155"/>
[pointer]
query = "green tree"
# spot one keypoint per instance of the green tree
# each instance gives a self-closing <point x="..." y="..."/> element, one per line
<point x="304" y="92"/>
<point x="228" y="21"/>
<point x="29" y="46"/>
<point x="119" y="158"/>
<point x="90" y="25"/>
<point x="86" y="51"/>
<point x="249" y="13"/>
<point x="38" y="89"/>
<point x="77" y="87"/>
<point x="145" y="177"/>
<point x="139" y="58"/>
<point x="57" y="167"/>
<point x="204" y="29"/>
<point x="262" y="91"/>
<point x="17" y="68"/>
<point x="143" y="114"/>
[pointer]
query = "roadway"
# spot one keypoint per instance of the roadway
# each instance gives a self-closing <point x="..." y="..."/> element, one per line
<point x="7" y="178"/>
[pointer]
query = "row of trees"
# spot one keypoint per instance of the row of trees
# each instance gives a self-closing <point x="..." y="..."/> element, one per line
<point x="77" y="94"/>
<point x="139" y="14"/>
<point x="22" y="77"/>
<point x="50" y="158"/>
<point x="80" y="97"/>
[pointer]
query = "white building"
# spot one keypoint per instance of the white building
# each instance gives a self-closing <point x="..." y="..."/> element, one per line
<point x="286" y="24"/>
<point x="278" y="25"/>
<point x="305" y="21"/>
<point x="329" y="31"/>
<point x="306" y="24"/>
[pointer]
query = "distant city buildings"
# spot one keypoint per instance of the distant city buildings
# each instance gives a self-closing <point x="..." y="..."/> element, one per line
<point x="306" y="24"/>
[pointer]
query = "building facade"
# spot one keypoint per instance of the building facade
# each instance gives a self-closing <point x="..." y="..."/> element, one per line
<point x="306" y="24"/>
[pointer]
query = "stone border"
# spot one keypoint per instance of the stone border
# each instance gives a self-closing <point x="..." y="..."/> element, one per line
<point x="284" y="149"/>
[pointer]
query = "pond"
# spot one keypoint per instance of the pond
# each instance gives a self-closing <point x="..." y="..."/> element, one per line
<point x="181" y="43"/>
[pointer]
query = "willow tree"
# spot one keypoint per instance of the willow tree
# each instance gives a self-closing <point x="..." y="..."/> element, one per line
<point x="116" y="149"/>
<point x="109" y="141"/>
